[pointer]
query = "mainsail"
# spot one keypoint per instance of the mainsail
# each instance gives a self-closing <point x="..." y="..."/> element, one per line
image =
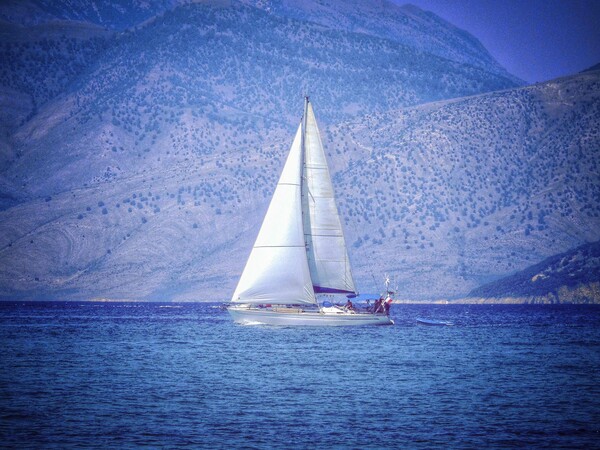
<point x="327" y="255"/>
<point x="300" y="248"/>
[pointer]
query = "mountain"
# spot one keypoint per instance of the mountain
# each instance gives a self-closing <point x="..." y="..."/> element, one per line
<point x="560" y="278"/>
<point x="191" y="72"/>
<point x="138" y="157"/>
<point x="408" y="25"/>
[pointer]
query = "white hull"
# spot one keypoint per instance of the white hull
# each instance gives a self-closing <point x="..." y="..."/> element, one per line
<point x="298" y="317"/>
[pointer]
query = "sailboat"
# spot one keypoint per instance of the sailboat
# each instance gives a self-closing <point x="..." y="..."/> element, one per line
<point x="300" y="255"/>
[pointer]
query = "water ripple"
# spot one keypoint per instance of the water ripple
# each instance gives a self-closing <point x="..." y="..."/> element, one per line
<point x="128" y="375"/>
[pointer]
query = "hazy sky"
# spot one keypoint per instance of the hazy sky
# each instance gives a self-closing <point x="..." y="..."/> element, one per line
<point x="536" y="40"/>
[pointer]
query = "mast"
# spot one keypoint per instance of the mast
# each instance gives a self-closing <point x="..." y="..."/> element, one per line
<point x="303" y="174"/>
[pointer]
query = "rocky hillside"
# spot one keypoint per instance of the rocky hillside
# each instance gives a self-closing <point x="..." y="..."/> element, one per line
<point x="138" y="155"/>
<point x="405" y="24"/>
<point x="457" y="193"/>
<point x="559" y="277"/>
<point x="199" y="79"/>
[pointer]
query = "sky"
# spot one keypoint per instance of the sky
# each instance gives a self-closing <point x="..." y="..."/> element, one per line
<point x="536" y="40"/>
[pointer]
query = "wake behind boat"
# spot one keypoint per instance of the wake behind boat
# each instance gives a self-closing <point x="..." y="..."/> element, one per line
<point x="300" y="252"/>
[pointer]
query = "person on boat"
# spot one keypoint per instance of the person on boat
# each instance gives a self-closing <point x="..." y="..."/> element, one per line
<point x="387" y="304"/>
<point x="349" y="306"/>
<point x="378" y="307"/>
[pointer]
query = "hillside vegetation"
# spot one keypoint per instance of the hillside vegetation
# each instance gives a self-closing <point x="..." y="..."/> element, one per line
<point x="463" y="191"/>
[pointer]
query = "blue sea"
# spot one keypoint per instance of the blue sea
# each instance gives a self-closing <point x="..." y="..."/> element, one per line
<point x="125" y="375"/>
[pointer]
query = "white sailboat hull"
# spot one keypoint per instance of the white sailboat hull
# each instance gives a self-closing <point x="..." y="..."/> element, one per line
<point x="299" y="317"/>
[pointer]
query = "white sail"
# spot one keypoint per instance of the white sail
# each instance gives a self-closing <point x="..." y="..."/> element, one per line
<point x="327" y="256"/>
<point x="277" y="270"/>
